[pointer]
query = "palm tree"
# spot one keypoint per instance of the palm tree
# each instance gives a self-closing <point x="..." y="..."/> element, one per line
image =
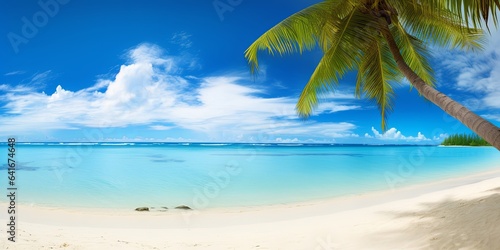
<point x="384" y="41"/>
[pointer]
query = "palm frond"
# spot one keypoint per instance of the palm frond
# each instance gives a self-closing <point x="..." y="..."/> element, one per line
<point x="376" y="74"/>
<point x="439" y="26"/>
<point x="414" y="52"/>
<point x="349" y="41"/>
<point x="301" y="31"/>
<point x="474" y="12"/>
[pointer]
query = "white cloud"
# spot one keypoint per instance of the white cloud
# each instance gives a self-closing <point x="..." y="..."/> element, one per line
<point x="182" y="39"/>
<point x="18" y="72"/>
<point x="336" y="102"/>
<point x="332" y="107"/>
<point x="492" y="117"/>
<point x="17" y="88"/>
<point x="280" y="140"/>
<point x="36" y="81"/>
<point x="149" y="91"/>
<point x="338" y="95"/>
<point x="395" y="135"/>
<point x="160" y="127"/>
<point x="440" y="138"/>
<point x="40" y="76"/>
<point x="477" y="73"/>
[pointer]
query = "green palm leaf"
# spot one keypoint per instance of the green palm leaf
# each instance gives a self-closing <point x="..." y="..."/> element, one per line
<point x="414" y="52"/>
<point x="376" y="74"/>
<point x="472" y="12"/>
<point x="439" y="26"/>
<point x="352" y="34"/>
<point x="336" y="58"/>
<point x="299" y="32"/>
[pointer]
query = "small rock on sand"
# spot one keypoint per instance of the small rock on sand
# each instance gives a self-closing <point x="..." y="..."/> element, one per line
<point x="183" y="207"/>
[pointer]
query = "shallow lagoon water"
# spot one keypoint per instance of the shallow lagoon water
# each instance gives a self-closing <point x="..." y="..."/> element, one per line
<point x="200" y="175"/>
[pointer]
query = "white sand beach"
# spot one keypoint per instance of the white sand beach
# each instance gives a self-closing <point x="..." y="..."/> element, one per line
<point x="462" y="213"/>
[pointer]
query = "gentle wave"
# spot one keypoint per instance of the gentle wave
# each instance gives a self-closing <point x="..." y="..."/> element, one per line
<point x="290" y="145"/>
<point x="117" y="144"/>
<point x="31" y="143"/>
<point x="215" y="144"/>
<point x="79" y="143"/>
<point x="295" y="154"/>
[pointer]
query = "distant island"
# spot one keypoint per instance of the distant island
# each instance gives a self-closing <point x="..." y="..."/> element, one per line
<point x="465" y="140"/>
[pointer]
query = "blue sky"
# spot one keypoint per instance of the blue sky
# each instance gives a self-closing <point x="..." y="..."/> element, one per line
<point x="175" y="71"/>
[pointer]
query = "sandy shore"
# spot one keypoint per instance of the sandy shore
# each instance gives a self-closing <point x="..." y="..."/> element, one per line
<point x="461" y="213"/>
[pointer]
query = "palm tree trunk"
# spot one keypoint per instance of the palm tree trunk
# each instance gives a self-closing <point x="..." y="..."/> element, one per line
<point x="482" y="127"/>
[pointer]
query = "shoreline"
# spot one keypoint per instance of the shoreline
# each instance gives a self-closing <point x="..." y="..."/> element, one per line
<point x="338" y="204"/>
<point x="354" y="222"/>
<point x="455" y="180"/>
<point x="400" y="191"/>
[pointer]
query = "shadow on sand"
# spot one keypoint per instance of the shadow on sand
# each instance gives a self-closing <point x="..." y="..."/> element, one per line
<point x="456" y="224"/>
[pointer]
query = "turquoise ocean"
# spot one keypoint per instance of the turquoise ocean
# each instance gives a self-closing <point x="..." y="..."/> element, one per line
<point x="207" y="175"/>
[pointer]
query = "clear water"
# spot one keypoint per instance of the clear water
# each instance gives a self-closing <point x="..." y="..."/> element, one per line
<point x="224" y="175"/>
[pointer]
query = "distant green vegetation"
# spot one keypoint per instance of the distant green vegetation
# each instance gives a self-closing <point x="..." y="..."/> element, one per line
<point x="465" y="140"/>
